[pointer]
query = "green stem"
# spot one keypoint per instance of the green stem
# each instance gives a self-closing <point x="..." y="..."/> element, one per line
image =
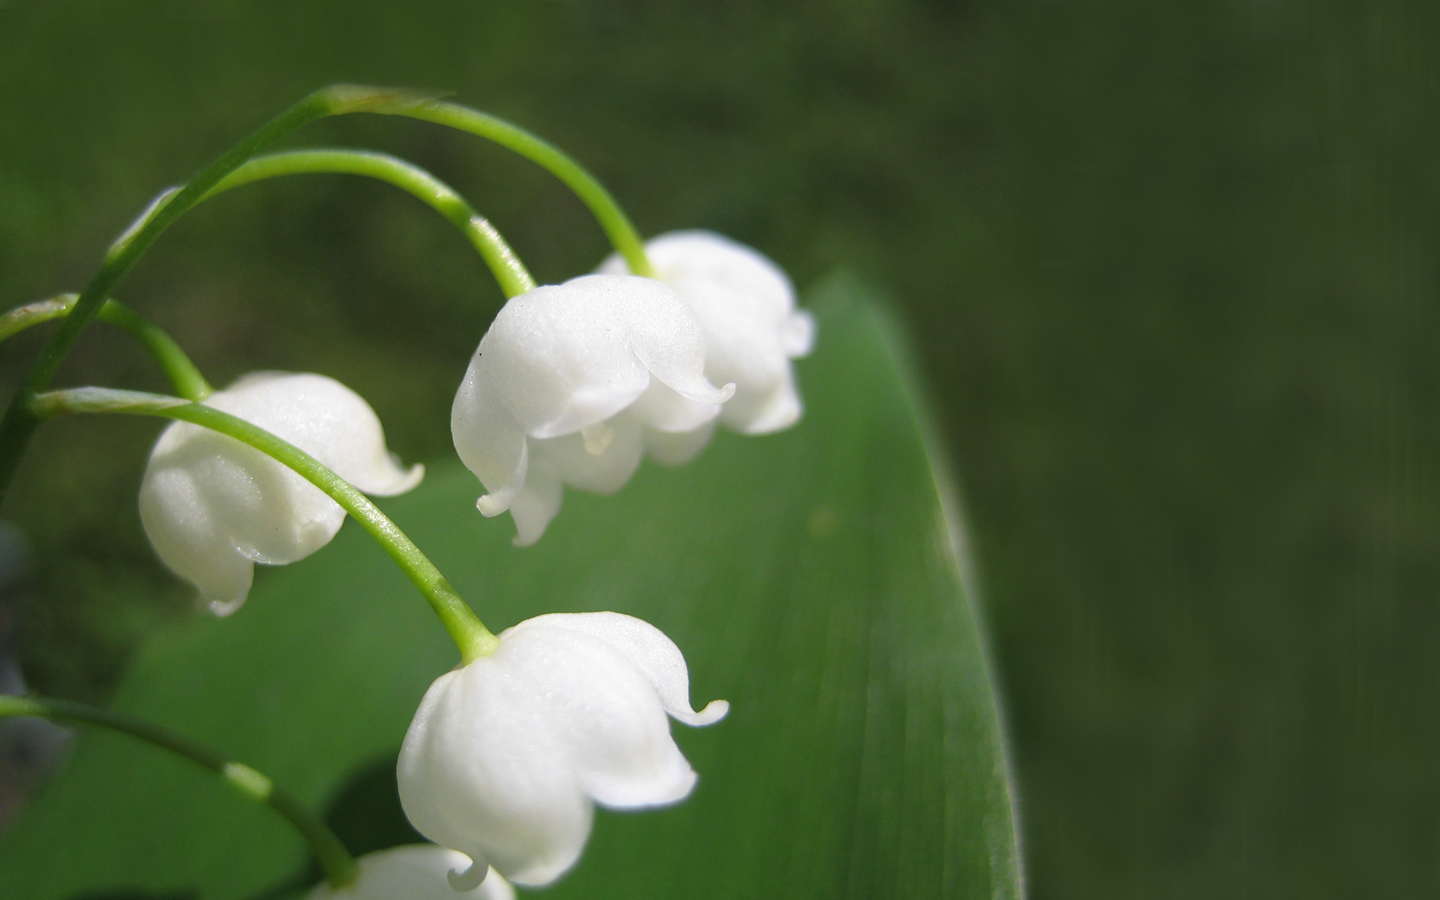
<point x="514" y="278"/>
<point x="340" y="866"/>
<point x="23" y="317"/>
<point x="19" y="423"/>
<point x="188" y="381"/>
<point x="465" y="628"/>
<point x="612" y="218"/>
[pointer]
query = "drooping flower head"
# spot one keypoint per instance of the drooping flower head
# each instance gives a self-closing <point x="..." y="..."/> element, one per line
<point x="507" y="754"/>
<point x="213" y="507"/>
<point x="572" y="384"/>
<point x="413" y="872"/>
<point x="746" y="307"/>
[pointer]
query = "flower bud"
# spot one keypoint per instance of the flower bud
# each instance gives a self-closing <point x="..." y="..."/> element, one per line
<point x="213" y="506"/>
<point x="746" y="307"/>
<point x="413" y="872"/>
<point x="572" y="384"/>
<point x="507" y="755"/>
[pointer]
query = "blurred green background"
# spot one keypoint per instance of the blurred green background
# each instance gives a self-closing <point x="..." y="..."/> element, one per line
<point x="1170" y="269"/>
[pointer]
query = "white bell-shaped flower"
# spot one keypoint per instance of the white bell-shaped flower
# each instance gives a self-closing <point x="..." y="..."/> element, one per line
<point x="213" y="507"/>
<point x="746" y="306"/>
<point x="413" y="872"/>
<point x="507" y="754"/>
<point x="572" y="384"/>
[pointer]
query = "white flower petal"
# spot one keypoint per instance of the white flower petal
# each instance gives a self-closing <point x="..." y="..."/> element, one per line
<point x="325" y="419"/>
<point x="665" y="409"/>
<point x="212" y="505"/>
<point x="798" y="334"/>
<point x="746" y="306"/>
<point x="774" y="410"/>
<point x="649" y="650"/>
<point x="506" y="755"/>
<point x="482" y="770"/>
<point x="561" y="357"/>
<point x="676" y="449"/>
<point x="186" y="538"/>
<point x="488" y="440"/>
<point x="414" y="872"/>
<point x="602" y="466"/>
<point x="536" y="503"/>
<point x="613" y="730"/>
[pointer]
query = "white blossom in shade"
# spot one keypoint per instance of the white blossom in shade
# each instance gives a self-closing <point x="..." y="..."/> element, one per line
<point x="572" y="384"/>
<point x="746" y="305"/>
<point x="507" y="755"/>
<point x="414" y="872"/>
<point x="213" y="507"/>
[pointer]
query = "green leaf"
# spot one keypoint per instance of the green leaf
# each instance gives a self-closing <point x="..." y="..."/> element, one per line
<point x="810" y="577"/>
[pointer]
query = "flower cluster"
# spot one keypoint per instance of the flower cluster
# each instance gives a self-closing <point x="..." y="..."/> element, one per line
<point x="574" y="383"/>
<point x="571" y="386"/>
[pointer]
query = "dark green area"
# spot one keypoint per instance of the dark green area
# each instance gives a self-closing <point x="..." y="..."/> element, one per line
<point x="1170" y="268"/>
<point x="810" y="577"/>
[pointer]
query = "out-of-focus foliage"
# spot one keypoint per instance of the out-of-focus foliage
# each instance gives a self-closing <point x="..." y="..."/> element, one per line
<point x="809" y="577"/>
<point x="1170" y="266"/>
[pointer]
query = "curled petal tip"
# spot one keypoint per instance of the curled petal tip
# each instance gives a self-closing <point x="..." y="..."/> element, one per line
<point x="468" y="879"/>
<point x="222" y="607"/>
<point x="406" y="481"/>
<point x="419" y="872"/>
<point x="713" y="712"/>
<point x="705" y="392"/>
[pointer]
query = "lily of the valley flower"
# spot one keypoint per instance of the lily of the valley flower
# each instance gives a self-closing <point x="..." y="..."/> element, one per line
<point x="507" y="754"/>
<point x="572" y="384"/>
<point x="213" y="506"/>
<point x="413" y="872"/>
<point x="746" y="306"/>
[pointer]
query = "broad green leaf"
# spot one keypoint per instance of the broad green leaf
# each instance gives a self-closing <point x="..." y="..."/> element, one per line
<point x="810" y="577"/>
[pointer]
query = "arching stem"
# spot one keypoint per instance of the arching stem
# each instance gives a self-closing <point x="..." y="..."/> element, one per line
<point x="591" y="192"/>
<point x="514" y="278"/>
<point x="340" y="867"/>
<point x="19" y="423"/>
<point x="178" y="367"/>
<point x="465" y="628"/>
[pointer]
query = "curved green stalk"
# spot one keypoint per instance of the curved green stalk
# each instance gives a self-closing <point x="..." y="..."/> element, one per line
<point x="514" y="278"/>
<point x="509" y="271"/>
<point x="19" y="423"/>
<point x="612" y="218"/>
<point x="188" y="381"/>
<point x="178" y="367"/>
<point x="465" y="628"/>
<point x="340" y="866"/>
<point x="31" y="314"/>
